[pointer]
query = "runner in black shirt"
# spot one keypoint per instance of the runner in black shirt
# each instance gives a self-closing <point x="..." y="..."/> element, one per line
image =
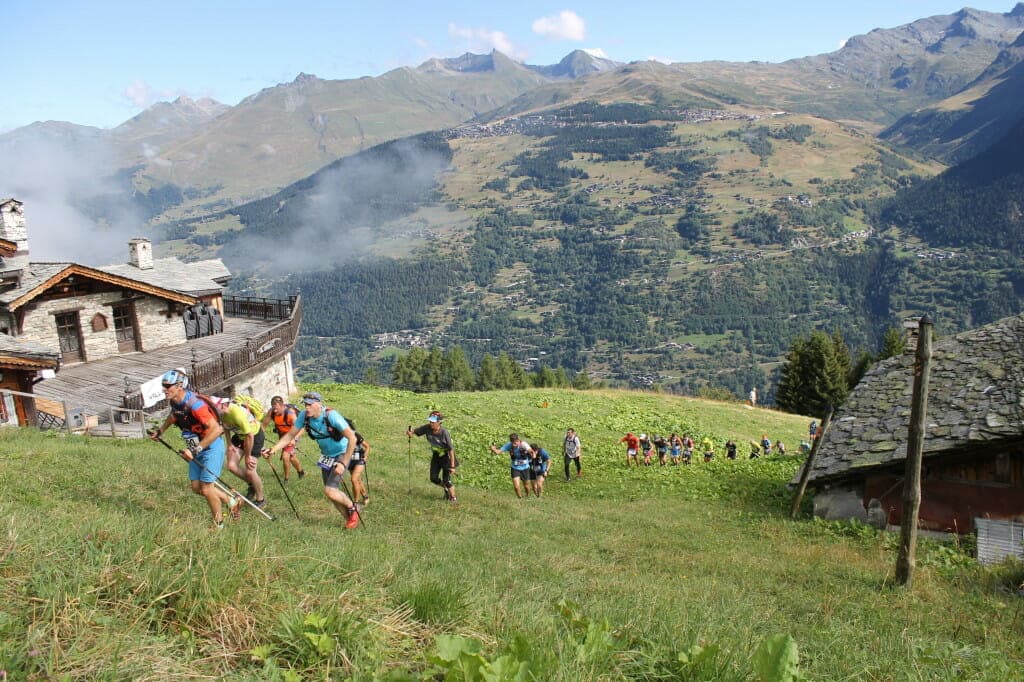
<point x="443" y="461"/>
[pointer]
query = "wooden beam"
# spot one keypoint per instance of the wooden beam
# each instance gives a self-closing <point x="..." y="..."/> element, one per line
<point x="100" y="276"/>
<point x="805" y="474"/>
<point x="906" y="559"/>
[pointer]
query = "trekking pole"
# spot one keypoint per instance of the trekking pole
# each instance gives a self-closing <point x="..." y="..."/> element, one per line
<point x="284" y="490"/>
<point x="230" y="490"/>
<point x="408" y="476"/>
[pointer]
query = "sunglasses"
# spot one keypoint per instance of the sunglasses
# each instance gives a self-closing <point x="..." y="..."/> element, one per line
<point x="168" y="385"/>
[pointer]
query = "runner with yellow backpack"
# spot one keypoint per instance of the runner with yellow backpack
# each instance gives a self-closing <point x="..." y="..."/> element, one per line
<point x="241" y="416"/>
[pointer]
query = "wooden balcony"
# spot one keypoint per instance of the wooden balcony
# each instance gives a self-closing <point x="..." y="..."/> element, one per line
<point x="257" y="331"/>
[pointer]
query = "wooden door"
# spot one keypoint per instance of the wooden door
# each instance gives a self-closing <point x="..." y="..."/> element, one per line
<point x="124" y="328"/>
<point x="69" y="333"/>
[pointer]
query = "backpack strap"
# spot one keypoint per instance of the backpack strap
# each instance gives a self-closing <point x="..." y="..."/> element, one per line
<point x="332" y="431"/>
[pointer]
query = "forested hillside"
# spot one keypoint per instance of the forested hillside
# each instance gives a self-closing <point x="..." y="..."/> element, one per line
<point x="979" y="203"/>
<point x="663" y="235"/>
<point x="642" y="246"/>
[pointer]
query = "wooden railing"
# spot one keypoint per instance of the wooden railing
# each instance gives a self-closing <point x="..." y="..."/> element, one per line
<point x="212" y="373"/>
<point x="260" y="308"/>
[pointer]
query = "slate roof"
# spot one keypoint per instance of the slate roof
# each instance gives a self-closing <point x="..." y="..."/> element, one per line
<point x="39" y="276"/>
<point x="11" y="347"/>
<point x="206" y="276"/>
<point x="31" y="277"/>
<point x="975" y="399"/>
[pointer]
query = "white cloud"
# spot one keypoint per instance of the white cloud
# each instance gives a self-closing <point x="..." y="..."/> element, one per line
<point x="484" y="40"/>
<point x="141" y="95"/>
<point x="596" y="52"/>
<point x="655" y="58"/>
<point x="566" y="25"/>
<point x="138" y="93"/>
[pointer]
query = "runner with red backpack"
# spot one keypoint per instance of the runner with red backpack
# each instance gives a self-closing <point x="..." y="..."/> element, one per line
<point x="337" y="442"/>
<point x="204" y="446"/>
<point x="283" y="416"/>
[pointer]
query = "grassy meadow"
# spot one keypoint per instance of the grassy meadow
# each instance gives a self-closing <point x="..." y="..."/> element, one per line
<point x="109" y="569"/>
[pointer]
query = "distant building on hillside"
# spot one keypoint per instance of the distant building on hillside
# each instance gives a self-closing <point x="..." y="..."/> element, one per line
<point x="112" y="330"/>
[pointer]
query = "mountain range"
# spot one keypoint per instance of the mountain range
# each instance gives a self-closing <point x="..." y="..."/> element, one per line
<point x="669" y="224"/>
<point x="190" y="157"/>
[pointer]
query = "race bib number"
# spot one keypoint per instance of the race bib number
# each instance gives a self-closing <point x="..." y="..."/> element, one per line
<point x="326" y="463"/>
<point x="191" y="440"/>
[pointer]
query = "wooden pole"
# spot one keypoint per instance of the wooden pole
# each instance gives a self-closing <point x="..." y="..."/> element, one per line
<point x="67" y="416"/>
<point x="906" y="560"/>
<point x="806" y="472"/>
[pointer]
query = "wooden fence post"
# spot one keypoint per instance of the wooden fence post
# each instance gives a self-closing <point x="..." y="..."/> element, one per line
<point x="806" y="472"/>
<point x="67" y="416"/>
<point x="906" y="560"/>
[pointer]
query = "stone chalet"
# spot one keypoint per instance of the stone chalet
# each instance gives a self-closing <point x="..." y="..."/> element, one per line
<point x="973" y="451"/>
<point x="81" y="346"/>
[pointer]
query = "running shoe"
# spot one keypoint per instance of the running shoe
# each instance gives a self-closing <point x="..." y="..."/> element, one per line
<point x="235" y="506"/>
<point x="353" y="520"/>
<point x="302" y="474"/>
<point x="261" y="503"/>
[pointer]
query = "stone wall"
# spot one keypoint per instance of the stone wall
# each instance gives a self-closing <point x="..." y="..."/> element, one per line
<point x="277" y="379"/>
<point x="155" y="328"/>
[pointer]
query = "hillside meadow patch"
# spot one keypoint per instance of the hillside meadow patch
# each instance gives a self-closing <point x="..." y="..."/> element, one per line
<point x="108" y="569"/>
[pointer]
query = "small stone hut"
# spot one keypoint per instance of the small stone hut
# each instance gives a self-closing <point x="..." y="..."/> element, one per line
<point x="973" y="464"/>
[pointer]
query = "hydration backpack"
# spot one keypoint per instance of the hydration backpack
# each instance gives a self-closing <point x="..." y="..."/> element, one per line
<point x="332" y="432"/>
<point x="255" y="407"/>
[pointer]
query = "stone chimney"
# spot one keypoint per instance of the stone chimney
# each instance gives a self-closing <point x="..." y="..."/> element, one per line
<point x="12" y="228"/>
<point x="911" y="328"/>
<point x="140" y="254"/>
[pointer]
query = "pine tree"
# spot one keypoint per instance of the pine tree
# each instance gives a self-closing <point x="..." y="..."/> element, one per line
<point x="431" y="376"/>
<point x="894" y="342"/>
<point x="815" y="375"/>
<point x="458" y="375"/>
<point x="581" y="381"/>
<point x="487" y="378"/>
<point x="510" y="374"/>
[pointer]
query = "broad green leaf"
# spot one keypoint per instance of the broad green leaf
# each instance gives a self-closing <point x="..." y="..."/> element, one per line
<point x="777" y="660"/>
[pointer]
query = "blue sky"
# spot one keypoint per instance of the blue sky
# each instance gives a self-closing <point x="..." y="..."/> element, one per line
<point x="101" y="62"/>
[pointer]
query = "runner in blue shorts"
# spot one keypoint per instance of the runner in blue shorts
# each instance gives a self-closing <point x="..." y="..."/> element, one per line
<point x="204" y="443"/>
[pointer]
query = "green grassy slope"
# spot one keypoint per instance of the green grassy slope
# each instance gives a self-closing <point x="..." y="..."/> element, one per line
<point x="108" y="570"/>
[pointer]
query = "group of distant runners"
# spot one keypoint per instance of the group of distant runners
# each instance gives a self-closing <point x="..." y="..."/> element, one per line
<point x="223" y="431"/>
<point x="675" y="449"/>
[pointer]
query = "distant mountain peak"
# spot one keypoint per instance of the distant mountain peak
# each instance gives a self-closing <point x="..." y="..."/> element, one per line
<point x="467" y="62"/>
<point x="577" y="64"/>
<point x="303" y="78"/>
<point x="1017" y="11"/>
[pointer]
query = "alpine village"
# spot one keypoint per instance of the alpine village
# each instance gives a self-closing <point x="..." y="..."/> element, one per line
<point x="756" y="330"/>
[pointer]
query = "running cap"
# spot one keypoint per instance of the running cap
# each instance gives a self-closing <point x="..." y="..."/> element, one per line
<point x="277" y="400"/>
<point x="312" y="397"/>
<point x="172" y="377"/>
<point x="643" y="435"/>
<point x="435" y="417"/>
